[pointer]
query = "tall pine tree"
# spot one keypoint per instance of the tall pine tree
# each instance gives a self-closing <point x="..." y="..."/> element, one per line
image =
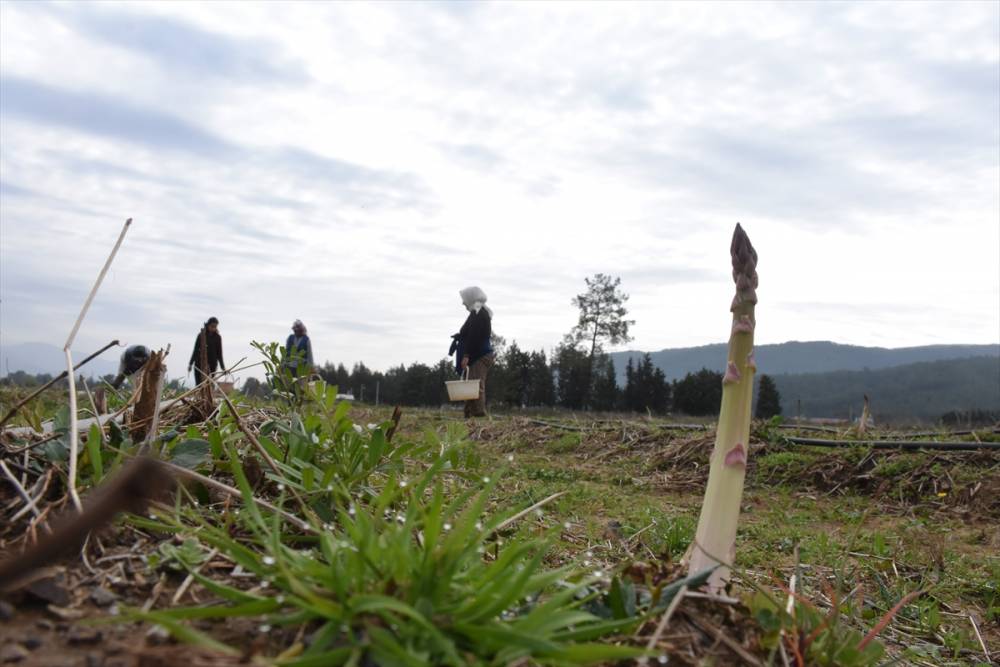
<point x="573" y="376"/>
<point x="518" y="371"/>
<point x="699" y="394"/>
<point x="605" y="386"/>
<point x="646" y="387"/>
<point x="602" y="320"/>
<point x="542" y="388"/>
<point x="768" y="398"/>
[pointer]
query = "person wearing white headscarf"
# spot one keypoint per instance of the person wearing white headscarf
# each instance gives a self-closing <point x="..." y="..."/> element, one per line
<point x="474" y="346"/>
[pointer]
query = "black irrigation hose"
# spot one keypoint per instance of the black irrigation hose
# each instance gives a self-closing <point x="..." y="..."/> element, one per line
<point x="896" y="444"/>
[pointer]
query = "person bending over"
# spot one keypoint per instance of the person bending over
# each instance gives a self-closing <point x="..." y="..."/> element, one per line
<point x="133" y="359"/>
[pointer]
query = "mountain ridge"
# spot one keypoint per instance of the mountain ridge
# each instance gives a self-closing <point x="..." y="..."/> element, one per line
<point x="797" y="357"/>
<point x="923" y="390"/>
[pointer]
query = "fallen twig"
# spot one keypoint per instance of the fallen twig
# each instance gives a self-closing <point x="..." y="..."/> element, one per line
<point x="246" y="431"/>
<point x="20" y="489"/>
<point x="236" y="493"/>
<point x="979" y="636"/>
<point x="190" y="578"/>
<point x="38" y="496"/>
<point x="665" y="620"/>
<point x="540" y="503"/>
<point x="25" y="448"/>
<point x="887" y="618"/>
<point x="720" y="635"/>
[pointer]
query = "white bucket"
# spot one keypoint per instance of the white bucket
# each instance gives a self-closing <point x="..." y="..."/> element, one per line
<point x="464" y="389"/>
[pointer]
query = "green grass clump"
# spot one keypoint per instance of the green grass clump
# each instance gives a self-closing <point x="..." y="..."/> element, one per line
<point x="566" y="443"/>
<point x="408" y="562"/>
<point x="783" y="465"/>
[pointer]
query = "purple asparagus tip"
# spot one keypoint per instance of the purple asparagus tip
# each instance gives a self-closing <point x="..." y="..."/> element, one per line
<point x="744" y="267"/>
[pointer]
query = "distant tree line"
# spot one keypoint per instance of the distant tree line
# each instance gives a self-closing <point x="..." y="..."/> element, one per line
<point x="529" y="379"/>
<point x="577" y="375"/>
<point x="31" y="381"/>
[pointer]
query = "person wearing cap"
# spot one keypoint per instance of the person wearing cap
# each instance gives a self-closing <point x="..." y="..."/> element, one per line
<point x="210" y="342"/>
<point x="133" y="359"/>
<point x="298" y="349"/>
<point x="474" y="346"/>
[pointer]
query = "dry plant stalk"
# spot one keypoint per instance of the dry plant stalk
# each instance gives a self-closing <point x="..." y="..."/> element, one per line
<point x="397" y="413"/>
<point x="715" y="538"/>
<point x="74" y="438"/>
<point x="866" y="414"/>
<point x="147" y="406"/>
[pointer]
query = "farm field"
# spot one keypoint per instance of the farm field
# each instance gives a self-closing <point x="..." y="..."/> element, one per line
<point x="402" y="334"/>
<point x="617" y="502"/>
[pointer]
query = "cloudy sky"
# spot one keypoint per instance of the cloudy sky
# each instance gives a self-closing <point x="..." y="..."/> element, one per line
<point x="354" y="165"/>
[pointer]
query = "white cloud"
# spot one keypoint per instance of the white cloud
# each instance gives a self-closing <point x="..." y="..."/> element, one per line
<point x="355" y="165"/>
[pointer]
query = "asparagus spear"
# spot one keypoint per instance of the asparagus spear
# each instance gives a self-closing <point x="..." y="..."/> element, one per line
<point x="715" y="539"/>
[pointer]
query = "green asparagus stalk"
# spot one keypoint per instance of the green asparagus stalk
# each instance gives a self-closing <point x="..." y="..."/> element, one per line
<point x="715" y="539"/>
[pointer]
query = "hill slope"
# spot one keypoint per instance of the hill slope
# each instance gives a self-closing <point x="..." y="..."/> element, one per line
<point x="922" y="390"/>
<point x="803" y="357"/>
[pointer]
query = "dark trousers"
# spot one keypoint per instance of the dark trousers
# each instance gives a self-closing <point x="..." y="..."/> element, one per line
<point x="200" y="376"/>
<point x="478" y="371"/>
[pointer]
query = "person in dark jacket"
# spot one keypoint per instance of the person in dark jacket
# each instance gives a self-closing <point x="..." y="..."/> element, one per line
<point x="210" y="341"/>
<point x="133" y="359"/>
<point x="474" y="346"/>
